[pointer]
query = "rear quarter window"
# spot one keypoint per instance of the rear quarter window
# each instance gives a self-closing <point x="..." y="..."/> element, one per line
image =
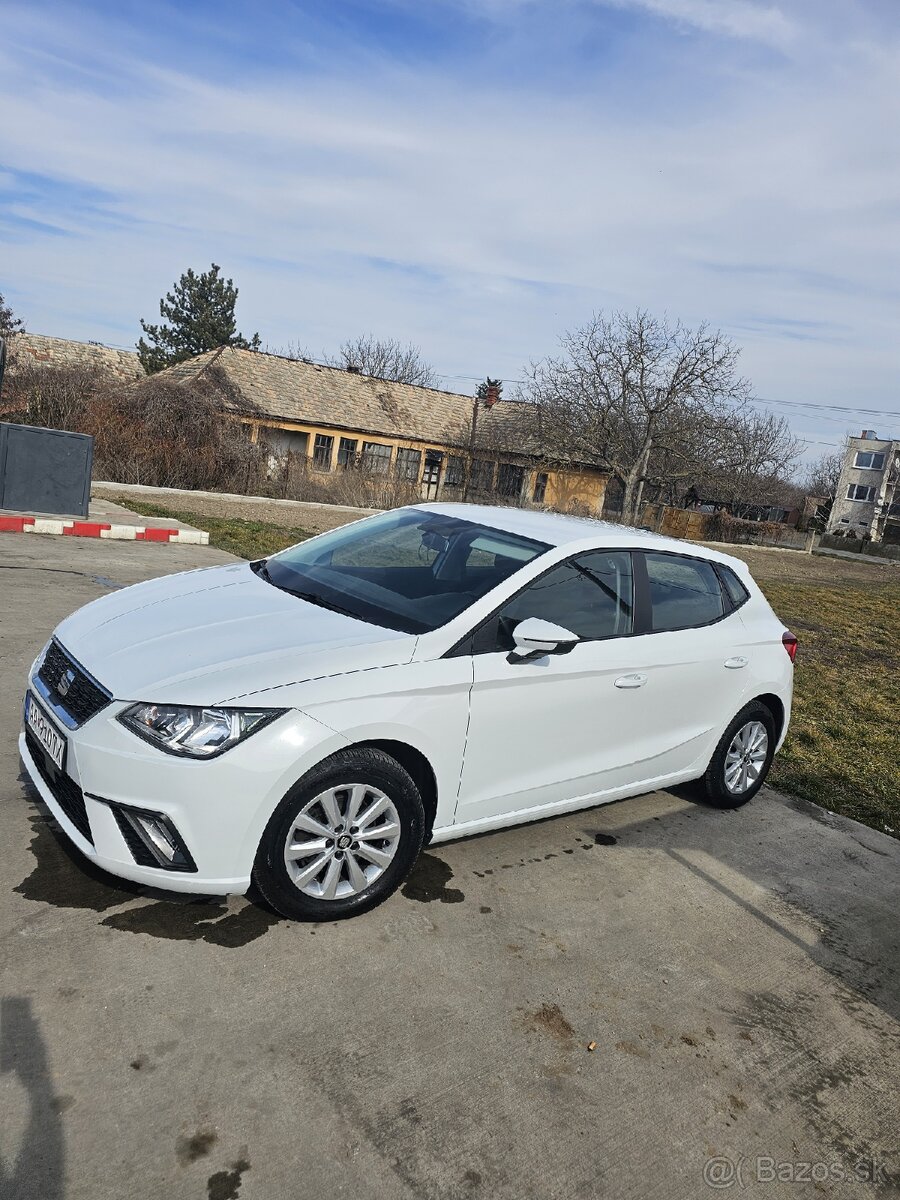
<point x="737" y="593"/>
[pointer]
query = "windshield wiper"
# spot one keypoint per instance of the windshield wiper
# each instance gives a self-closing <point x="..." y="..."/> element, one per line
<point x="315" y="598"/>
<point x="259" y="568"/>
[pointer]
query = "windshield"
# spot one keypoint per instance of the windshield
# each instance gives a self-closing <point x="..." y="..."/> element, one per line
<point x="408" y="569"/>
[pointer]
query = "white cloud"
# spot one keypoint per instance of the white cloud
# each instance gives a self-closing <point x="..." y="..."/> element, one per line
<point x="478" y="220"/>
<point x="734" y="18"/>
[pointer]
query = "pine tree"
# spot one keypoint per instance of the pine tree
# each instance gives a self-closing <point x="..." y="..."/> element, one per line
<point x="200" y="312"/>
<point x="9" y="322"/>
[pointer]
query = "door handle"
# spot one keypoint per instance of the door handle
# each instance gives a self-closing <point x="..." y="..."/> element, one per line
<point x="631" y="681"/>
<point x="734" y="664"/>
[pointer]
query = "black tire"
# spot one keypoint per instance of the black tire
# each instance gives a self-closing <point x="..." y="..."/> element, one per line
<point x="355" y="766"/>
<point x="713" y="786"/>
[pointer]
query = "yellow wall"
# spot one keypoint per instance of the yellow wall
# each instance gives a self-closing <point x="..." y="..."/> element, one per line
<point x="571" y="490"/>
<point x="567" y="489"/>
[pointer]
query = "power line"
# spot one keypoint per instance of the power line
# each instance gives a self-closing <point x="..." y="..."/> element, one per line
<point x="869" y="412"/>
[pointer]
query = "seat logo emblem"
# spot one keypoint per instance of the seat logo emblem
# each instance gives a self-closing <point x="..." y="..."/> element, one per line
<point x="66" y="681"/>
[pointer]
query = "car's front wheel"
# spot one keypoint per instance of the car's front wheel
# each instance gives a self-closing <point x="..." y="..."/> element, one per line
<point x="742" y="758"/>
<point x="343" y="839"/>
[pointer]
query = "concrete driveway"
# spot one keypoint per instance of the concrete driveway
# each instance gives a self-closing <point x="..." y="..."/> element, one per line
<point x="738" y="973"/>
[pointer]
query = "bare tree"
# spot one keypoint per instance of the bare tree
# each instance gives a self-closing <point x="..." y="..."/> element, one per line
<point x="820" y="477"/>
<point x="390" y="359"/>
<point x="626" y="387"/>
<point x="51" y="397"/>
<point x="294" y="351"/>
<point x="756" y="458"/>
<point x="169" y="434"/>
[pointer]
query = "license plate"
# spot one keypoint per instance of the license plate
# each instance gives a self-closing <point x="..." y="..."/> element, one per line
<point x="45" y="731"/>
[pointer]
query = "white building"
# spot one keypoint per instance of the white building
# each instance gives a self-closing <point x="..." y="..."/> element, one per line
<point x="867" y="500"/>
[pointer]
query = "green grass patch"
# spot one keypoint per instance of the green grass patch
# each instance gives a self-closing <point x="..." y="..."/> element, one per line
<point x="843" y="749"/>
<point x="246" y="539"/>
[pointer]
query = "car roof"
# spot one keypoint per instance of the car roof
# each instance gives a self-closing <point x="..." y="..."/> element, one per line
<point x="558" y="529"/>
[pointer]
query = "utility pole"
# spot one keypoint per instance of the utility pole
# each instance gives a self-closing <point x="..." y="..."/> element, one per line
<point x="489" y="392"/>
<point x="887" y="496"/>
<point x="472" y="430"/>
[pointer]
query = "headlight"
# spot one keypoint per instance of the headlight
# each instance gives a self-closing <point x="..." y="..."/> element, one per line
<point x="195" y="732"/>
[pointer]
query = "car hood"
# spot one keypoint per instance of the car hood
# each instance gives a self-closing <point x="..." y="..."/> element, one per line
<point x="209" y="636"/>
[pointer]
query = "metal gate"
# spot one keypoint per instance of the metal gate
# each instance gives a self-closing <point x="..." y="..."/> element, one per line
<point x="45" y="470"/>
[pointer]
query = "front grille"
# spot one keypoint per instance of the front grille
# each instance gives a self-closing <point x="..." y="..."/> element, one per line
<point x="66" y="792"/>
<point x="82" y="699"/>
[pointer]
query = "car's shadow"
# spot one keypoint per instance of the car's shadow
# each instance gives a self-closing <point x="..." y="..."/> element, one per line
<point x="858" y="944"/>
<point x="64" y="878"/>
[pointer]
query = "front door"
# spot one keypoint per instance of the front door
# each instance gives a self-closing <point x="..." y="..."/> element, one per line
<point x="431" y="474"/>
<point x="554" y="729"/>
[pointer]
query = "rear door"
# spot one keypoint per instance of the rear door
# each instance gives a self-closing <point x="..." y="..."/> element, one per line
<point x="695" y="657"/>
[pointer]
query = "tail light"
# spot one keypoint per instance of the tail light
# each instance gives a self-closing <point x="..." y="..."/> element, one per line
<point x="790" y="644"/>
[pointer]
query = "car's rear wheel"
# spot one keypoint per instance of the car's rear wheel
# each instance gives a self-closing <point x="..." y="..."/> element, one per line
<point x="741" y="762"/>
<point x="343" y="839"/>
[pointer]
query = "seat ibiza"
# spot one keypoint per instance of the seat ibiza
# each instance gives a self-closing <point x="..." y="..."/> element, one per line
<point x="309" y="721"/>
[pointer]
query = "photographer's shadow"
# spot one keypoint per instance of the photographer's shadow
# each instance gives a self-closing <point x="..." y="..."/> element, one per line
<point x="38" y="1168"/>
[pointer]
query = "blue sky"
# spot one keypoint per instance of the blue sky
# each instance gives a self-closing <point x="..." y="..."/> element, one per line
<point x="472" y="175"/>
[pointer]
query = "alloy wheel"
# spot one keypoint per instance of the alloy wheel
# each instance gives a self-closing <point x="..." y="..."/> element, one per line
<point x="342" y="841"/>
<point x="746" y="757"/>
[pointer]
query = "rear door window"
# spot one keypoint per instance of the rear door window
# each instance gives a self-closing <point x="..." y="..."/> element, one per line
<point x="684" y="592"/>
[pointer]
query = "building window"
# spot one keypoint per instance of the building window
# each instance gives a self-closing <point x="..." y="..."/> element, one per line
<point x="869" y="460"/>
<point x="376" y="458"/>
<point x="322" y="448"/>
<point x="455" y="475"/>
<point x="540" y="487"/>
<point x="860" y="491"/>
<point x="346" y="452"/>
<point x="510" y="479"/>
<point x="481" y="475"/>
<point x="408" y="462"/>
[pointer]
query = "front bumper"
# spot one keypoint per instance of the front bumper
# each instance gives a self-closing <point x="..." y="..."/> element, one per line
<point x="219" y="808"/>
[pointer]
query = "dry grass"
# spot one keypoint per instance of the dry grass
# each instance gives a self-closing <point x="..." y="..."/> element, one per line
<point x="843" y="749"/>
<point x="246" y="539"/>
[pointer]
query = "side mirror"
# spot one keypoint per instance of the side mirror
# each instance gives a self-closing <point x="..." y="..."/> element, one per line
<point x="535" y="638"/>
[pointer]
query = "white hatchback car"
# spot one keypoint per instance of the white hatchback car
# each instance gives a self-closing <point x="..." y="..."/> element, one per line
<point x="311" y="720"/>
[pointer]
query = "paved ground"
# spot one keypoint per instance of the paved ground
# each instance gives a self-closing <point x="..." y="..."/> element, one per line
<point x="737" y="971"/>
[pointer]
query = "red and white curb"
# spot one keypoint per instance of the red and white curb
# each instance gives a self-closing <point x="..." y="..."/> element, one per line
<point x="125" y="533"/>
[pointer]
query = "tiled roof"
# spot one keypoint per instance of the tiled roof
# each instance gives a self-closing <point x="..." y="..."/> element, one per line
<point x="290" y="390"/>
<point x="61" y="352"/>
